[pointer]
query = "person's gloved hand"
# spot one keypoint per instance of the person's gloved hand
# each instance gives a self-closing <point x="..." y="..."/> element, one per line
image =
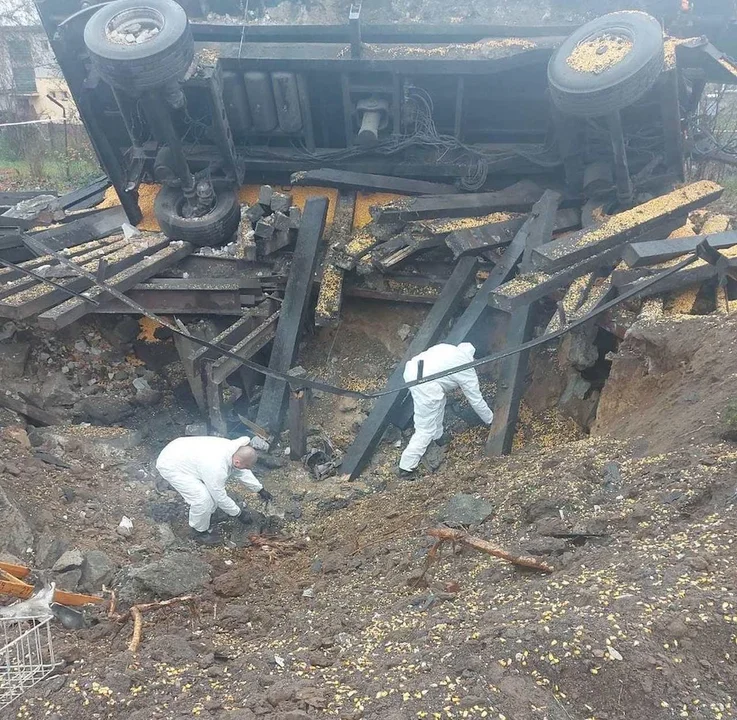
<point x="265" y="495"/>
<point x="244" y="516"/>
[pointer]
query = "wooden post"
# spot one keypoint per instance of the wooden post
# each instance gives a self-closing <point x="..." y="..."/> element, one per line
<point x="297" y="425"/>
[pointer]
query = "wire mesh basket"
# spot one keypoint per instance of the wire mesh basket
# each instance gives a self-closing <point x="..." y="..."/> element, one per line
<point x="26" y="655"/>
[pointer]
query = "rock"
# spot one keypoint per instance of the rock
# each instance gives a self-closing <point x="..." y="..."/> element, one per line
<point x="97" y="570"/>
<point x="233" y="583"/>
<point x="69" y="580"/>
<point x="171" y="649"/>
<point x="16" y="434"/>
<point x="404" y="332"/>
<point x="166" y="535"/>
<point x="464" y="510"/>
<point x="612" y="477"/>
<point x="546" y="546"/>
<point x="49" y="549"/>
<point x="434" y="456"/>
<point x="7" y="331"/>
<point x="57" y="390"/>
<point x="52" y="685"/>
<point x="16" y="536"/>
<point x="347" y="404"/>
<point x="13" y="358"/>
<point x="69" y="560"/>
<point x="417" y="579"/>
<point x="105" y="410"/>
<point x="175" y="574"/>
<point x="146" y="396"/>
<point x="123" y="330"/>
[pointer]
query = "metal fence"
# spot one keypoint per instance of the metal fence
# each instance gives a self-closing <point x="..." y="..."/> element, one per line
<point x="26" y="655"/>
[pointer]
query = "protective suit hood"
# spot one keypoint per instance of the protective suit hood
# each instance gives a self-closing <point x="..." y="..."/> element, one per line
<point x="467" y="350"/>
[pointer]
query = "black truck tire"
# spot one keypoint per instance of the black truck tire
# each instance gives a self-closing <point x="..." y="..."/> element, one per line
<point x="137" y="67"/>
<point x="588" y="94"/>
<point x="215" y="228"/>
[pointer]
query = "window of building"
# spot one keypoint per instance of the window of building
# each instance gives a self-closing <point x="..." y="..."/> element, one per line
<point x="21" y="65"/>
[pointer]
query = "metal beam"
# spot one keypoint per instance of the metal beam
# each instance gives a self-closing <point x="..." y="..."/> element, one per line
<point x="348" y="180"/>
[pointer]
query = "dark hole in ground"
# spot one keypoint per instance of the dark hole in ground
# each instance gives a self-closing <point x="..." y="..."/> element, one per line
<point x="598" y="373"/>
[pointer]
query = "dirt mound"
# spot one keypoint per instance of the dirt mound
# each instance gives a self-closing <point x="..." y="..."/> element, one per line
<point x="670" y="381"/>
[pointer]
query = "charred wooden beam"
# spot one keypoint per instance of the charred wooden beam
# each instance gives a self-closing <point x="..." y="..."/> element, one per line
<point x="37" y="297"/>
<point x="330" y="297"/>
<point x="413" y="247"/>
<point x="75" y="308"/>
<point x="225" y="301"/>
<point x="372" y="429"/>
<point x="624" y="227"/>
<point x="245" y="348"/>
<point x="596" y="294"/>
<point x="297" y="424"/>
<point x="347" y="180"/>
<point x="101" y="224"/>
<point x="536" y="230"/>
<point x="656" y="251"/>
<point x="670" y="116"/>
<point x="293" y="312"/>
<point x="511" y="384"/>
<point x="516" y="198"/>
<point x="473" y="241"/>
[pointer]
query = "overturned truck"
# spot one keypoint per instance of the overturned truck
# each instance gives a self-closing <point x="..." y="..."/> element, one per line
<point x="202" y="107"/>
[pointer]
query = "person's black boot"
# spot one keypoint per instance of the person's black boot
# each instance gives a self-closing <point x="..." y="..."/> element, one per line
<point x="205" y="538"/>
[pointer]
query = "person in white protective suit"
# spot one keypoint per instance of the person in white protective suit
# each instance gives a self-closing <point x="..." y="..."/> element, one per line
<point x="198" y="468"/>
<point x="429" y="398"/>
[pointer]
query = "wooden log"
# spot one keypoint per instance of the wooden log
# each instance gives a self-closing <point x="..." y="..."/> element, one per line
<point x="516" y="198"/>
<point x="415" y="247"/>
<point x="511" y="384"/>
<point x="473" y="241"/>
<point x="372" y="429"/>
<point x="75" y="308"/>
<point x="214" y="399"/>
<point x="297" y="424"/>
<point x="347" y="180"/>
<point x="330" y="296"/>
<point x="533" y="233"/>
<point x="293" y="312"/>
<point x="624" y="227"/>
<point x="513" y="370"/>
<point x="246" y="348"/>
<point x="656" y="251"/>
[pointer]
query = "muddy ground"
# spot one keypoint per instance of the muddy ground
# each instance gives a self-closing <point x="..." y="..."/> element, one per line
<point x="342" y="615"/>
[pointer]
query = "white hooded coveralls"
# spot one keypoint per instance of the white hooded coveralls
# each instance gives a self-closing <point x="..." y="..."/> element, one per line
<point x="198" y="468"/>
<point x="429" y="397"/>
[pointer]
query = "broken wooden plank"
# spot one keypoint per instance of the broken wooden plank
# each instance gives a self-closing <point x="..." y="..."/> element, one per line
<point x="330" y="296"/>
<point x="656" y="251"/>
<point x="293" y="312"/>
<point x="37" y="297"/>
<point x="698" y="272"/>
<point x="297" y="424"/>
<point x="224" y="301"/>
<point x="532" y="232"/>
<point x="597" y="293"/>
<point x="75" y="308"/>
<point x="573" y="299"/>
<point x="347" y="180"/>
<point x="473" y="241"/>
<point x="372" y="429"/>
<point x="101" y="224"/>
<point x="32" y="412"/>
<point x="516" y="198"/>
<point x="414" y="247"/>
<point x="246" y="348"/>
<point x="536" y="231"/>
<point x="12" y="280"/>
<point x="624" y="227"/>
<point x="511" y="383"/>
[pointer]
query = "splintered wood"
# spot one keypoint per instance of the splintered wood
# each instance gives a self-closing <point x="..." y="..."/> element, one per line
<point x="443" y="535"/>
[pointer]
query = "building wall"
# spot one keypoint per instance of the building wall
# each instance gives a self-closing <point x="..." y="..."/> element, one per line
<point x="28" y="75"/>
